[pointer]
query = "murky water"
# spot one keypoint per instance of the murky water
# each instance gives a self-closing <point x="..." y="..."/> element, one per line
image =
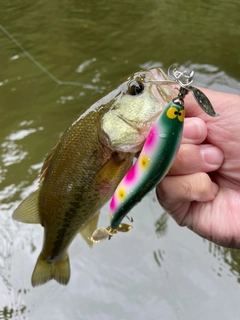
<point x="158" y="270"/>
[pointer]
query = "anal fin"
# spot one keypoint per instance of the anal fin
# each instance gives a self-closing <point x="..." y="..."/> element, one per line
<point x="89" y="228"/>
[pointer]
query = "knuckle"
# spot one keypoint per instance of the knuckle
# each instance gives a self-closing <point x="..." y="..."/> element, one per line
<point x="162" y="193"/>
<point x="187" y="188"/>
<point x="185" y="162"/>
<point x="203" y="186"/>
<point x="183" y="155"/>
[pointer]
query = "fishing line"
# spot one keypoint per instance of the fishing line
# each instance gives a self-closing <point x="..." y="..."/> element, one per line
<point x="49" y="74"/>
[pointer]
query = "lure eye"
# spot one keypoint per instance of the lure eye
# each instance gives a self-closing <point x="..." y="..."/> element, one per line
<point x="135" y="87"/>
<point x="173" y="113"/>
<point x="181" y="115"/>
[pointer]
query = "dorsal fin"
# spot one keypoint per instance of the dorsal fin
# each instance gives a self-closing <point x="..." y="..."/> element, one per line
<point x="46" y="162"/>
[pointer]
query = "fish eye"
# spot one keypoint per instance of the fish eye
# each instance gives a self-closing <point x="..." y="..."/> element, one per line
<point x="135" y="87"/>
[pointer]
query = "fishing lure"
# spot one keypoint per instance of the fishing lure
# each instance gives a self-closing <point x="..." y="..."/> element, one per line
<point x="156" y="157"/>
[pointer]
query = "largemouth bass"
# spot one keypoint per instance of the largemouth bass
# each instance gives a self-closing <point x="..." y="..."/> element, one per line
<point x="82" y="171"/>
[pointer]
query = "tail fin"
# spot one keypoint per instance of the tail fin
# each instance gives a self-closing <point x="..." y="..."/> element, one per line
<point x="45" y="271"/>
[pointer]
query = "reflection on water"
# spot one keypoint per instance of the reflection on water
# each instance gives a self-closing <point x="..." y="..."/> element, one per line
<point x="226" y="257"/>
<point x="230" y="257"/>
<point x="161" y="224"/>
<point x="158" y="268"/>
<point x="11" y="298"/>
<point x="158" y="256"/>
<point x="161" y="229"/>
<point x="14" y="308"/>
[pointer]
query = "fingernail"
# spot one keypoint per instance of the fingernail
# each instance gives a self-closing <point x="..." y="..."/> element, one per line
<point x="211" y="155"/>
<point x="193" y="129"/>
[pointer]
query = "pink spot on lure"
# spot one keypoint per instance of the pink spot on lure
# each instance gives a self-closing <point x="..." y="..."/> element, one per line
<point x="131" y="175"/>
<point x="152" y="139"/>
<point x="113" y="204"/>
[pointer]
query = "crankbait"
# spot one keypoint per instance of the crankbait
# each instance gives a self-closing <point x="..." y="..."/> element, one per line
<point x="156" y="157"/>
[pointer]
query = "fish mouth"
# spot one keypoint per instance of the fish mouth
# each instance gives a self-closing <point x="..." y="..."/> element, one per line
<point x="165" y="92"/>
<point x="158" y="74"/>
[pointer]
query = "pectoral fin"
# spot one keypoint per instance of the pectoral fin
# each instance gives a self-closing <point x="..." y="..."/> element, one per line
<point x="27" y="211"/>
<point x="88" y="229"/>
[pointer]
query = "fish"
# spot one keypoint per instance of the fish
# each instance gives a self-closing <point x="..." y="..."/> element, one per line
<point x="80" y="174"/>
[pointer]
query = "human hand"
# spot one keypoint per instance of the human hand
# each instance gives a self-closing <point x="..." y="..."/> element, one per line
<point x="202" y="188"/>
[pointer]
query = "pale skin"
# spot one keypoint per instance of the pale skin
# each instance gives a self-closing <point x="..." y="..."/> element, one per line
<point x="202" y="189"/>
